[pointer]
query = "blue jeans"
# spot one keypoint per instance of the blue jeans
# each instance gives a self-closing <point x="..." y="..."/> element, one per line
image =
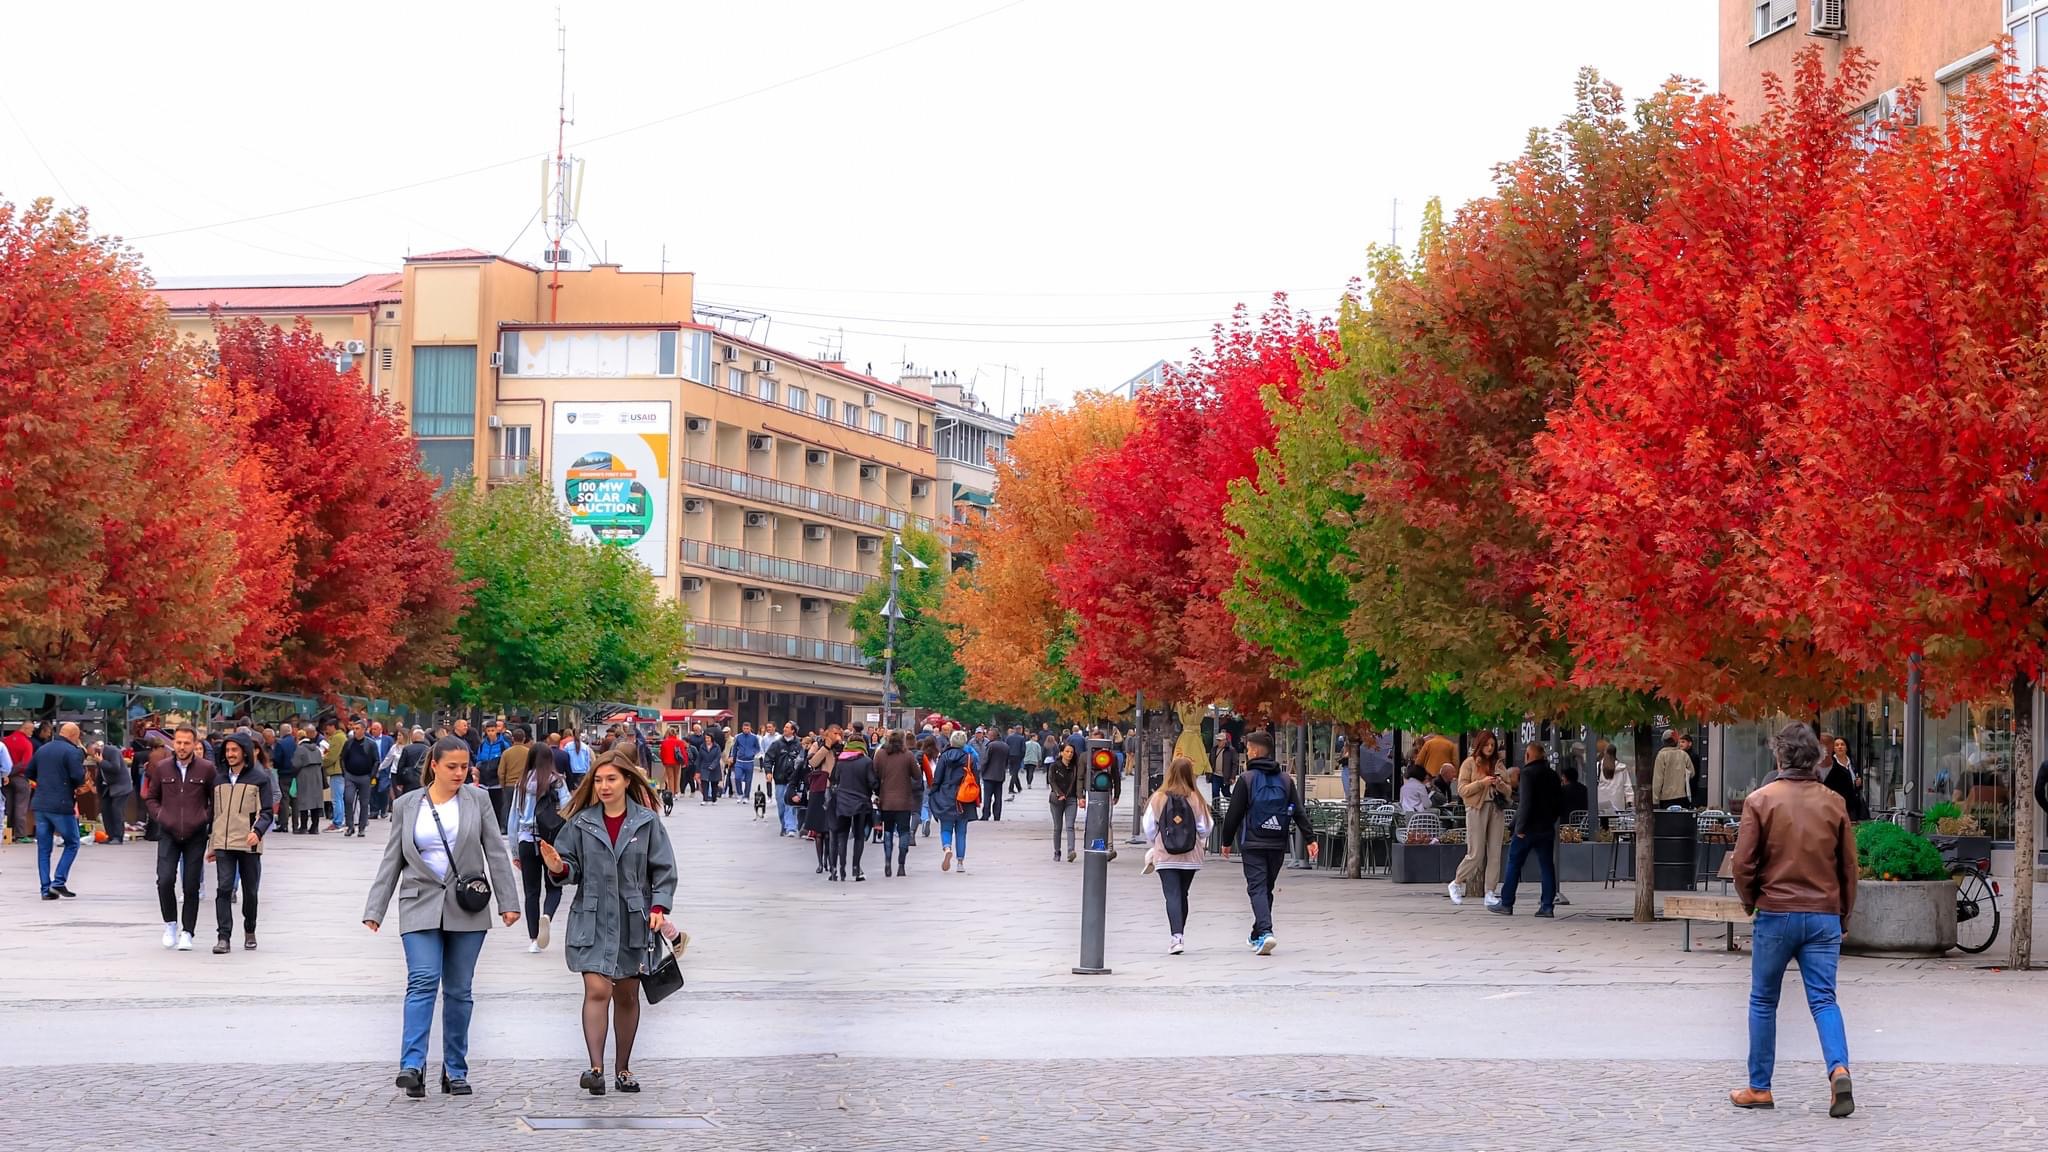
<point x="1815" y="940"/>
<point x="789" y="814"/>
<point x="1519" y="848"/>
<point x="953" y="835"/>
<point x="437" y="958"/>
<point x="51" y="827"/>
<point x="339" y="801"/>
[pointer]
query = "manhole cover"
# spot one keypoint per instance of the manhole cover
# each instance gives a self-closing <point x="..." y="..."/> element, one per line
<point x="1310" y="1096"/>
<point x="615" y="1123"/>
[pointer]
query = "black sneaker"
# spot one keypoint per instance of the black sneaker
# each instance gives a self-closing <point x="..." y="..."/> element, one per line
<point x="61" y="890"/>
<point x="1501" y="909"/>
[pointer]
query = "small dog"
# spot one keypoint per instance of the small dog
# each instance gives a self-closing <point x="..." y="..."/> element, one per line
<point x="760" y="804"/>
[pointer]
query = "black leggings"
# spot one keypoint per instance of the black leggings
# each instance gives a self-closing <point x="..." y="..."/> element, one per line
<point x="1176" y="882"/>
<point x="850" y="828"/>
<point x="533" y="880"/>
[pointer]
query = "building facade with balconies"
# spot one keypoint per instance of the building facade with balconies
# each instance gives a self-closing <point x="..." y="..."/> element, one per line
<point x="968" y="443"/>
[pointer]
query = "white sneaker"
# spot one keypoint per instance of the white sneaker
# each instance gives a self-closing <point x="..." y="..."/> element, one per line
<point x="170" y="935"/>
<point x="961" y="866"/>
<point x="184" y="941"/>
<point x="540" y="941"/>
<point x="532" y="947"/>
<point x="1175" y="948"/>
<point x="1457" y="892"/>
<point x="1492" y="899"/>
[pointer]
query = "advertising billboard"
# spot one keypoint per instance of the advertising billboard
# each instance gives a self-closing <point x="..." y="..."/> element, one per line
<point x="610" y="469"/>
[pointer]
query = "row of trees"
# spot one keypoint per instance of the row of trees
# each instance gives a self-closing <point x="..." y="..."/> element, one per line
<point x="1692" y="415"/>
<point x="251" y="515"/>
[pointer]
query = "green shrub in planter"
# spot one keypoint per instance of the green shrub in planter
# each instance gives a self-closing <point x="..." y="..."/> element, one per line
<point x="1946" y="810"/>
<point x="1888" y="852"/>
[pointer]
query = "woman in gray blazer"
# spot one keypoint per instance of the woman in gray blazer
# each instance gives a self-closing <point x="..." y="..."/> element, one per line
<point x="614" y="849"/>
<point x="440" y="833"/>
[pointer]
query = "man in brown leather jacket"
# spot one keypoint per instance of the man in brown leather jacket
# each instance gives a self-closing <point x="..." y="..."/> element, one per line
<point x="1795" y="868"/>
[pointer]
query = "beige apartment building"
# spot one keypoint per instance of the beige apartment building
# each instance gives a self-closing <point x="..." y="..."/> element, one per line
<point x="758" y="487"/>
<point x="1938" y="43"/>
<point x="357" y="315"/>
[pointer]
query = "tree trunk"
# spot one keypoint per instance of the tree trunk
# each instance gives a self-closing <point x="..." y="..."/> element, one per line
<point x="2024" y="857"/>
<point x="1646" y="872"/>
<point x="1353" y="788"/>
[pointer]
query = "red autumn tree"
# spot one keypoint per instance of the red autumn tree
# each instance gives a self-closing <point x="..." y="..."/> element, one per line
<point x="1660" y="472"/>
<point x="1914" y="520"/>
<point x="117" y="557"/>
<point x="373" y="586"/>
<point x="1147" y="584"/>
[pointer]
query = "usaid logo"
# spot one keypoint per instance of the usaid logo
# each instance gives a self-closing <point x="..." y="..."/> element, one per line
<point x="572" y="417"/>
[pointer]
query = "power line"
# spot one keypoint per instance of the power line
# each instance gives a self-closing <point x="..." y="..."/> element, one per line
<point x="482" y="168"/>
<point x="38" y="153"/>
<point x="968" y="322"/>
<point x="1193" y="337"/>
<point x="1259" y="293"/>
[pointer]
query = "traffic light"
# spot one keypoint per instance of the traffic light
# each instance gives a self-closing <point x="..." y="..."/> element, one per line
<point x="1101" y="767"/>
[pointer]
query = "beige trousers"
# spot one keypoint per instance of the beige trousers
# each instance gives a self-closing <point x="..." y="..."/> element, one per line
<point x="1485" y="854"/>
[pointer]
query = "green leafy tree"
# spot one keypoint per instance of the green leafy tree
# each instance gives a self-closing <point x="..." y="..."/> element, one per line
<point x="528" y="634"/>
<point x="641" y="639"/>
<point x="928" y="670"/>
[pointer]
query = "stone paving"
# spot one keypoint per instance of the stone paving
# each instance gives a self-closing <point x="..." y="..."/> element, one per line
<point x="938" y="1010"/>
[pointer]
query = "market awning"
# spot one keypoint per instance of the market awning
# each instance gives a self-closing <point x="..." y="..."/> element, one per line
<point x="300" y="705"/>
<point x="178" y="699"/>
<point x="63" y="695"/>
<point x="962" y="494"/>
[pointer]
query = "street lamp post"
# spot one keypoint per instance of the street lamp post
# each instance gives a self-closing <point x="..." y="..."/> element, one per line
<point x="892" y="612"/>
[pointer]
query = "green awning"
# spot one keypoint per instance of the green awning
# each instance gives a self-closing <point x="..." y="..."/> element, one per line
<point x="381" y="707"/>
<point x="65" y="695"/>
<point x="300" y="705"/>
<point x="962" y="494"/>
<point x="177" y="698"/>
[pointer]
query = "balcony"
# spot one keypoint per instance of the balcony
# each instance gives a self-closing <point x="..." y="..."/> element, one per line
<point x="739" y="561"/>
<point x="732" y="638"/>
<point x="813" y="500"/>
<point x="508" y="469"/>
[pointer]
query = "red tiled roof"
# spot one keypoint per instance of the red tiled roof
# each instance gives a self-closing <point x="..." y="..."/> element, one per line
<point x="361" y="292"/>
<point x="452" y="254"/>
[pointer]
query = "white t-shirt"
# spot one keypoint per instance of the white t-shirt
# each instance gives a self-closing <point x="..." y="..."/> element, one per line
<point x="427" y="838"/>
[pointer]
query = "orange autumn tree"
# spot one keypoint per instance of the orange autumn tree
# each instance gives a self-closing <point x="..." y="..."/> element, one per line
<point x="1014" y="637"/>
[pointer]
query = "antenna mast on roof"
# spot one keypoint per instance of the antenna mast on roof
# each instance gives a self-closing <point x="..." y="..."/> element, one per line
<point x="561" y="183"/>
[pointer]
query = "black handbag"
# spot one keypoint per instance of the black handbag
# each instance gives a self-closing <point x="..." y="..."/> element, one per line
<point x="472" y="893"/>
<point x="666" y="977"/>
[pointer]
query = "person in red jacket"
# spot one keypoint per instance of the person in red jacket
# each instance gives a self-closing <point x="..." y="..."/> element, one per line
<point x="178" y="791"/>
<point x="673" y="756"/>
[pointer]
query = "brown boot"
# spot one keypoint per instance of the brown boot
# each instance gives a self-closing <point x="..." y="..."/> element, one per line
<point x="1841" y="1099"/>
<point x="1751" y="1098"/>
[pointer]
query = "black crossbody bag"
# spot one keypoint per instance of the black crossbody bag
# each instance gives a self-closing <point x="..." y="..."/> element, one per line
<point x="472" y="893"/>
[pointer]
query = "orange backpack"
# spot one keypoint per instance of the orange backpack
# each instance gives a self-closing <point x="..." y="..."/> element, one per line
<point x="970" y="785"/>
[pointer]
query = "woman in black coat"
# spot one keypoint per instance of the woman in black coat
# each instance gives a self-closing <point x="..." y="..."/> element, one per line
<point x="853" y="806"/>
<point x="818" y="814"/>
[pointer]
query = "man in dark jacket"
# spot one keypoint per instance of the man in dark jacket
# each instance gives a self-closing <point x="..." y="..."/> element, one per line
<point x="283" y="754"/>
<point x="359" y="769"/>
<point x="1229" y="765"/>
<point x="1537" y="811"/>
<point x="1264" y="809"/>
<point x="1015" y="741"/>
<point x="58" y="770"/>
<point x="995" y="765"/>
<point x="178" y="791"/>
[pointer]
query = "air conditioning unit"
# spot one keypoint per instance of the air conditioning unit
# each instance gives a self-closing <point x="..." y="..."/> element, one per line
<point x="731" y="353"/>
<point x="764" y="367"/>
<point x="357" y="348"/>
<point x="867" y="399"/>
<point x="1829" y="19"/>
<point x="1890" y="103"/>
<point x="871" y="471"/>
<point x="869" y="544"/>
<point x="815" y="458"/>
<point x="493" y="422"/>
<point x="753" y="595"/>
<point x="759" y="443"/>
<point x="692" y="506"/>
<point x="497" y="358"/>
<point x="920" y="487"/>
<point x="760" y="520"/>
<point x="817" y="532"/>
<point x="693" y="583"/>
<point x="812" y="604"/>
<point x="696" y="424"/>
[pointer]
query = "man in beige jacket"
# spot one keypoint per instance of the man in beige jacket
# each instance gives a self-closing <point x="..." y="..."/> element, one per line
<point x="1671" y="775"/>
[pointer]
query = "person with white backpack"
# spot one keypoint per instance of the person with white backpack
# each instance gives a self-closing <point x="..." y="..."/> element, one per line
<point x="1177" y="824"/>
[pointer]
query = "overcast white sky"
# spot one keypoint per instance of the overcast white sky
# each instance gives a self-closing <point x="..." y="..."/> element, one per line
<point x="1075" y="186"/>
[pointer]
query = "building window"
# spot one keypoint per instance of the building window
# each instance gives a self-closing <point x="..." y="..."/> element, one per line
<point x="799" y="400"/>
<point x="851" y="414"/>
<point x="2027" y="23"/>
<point x="903" y="431"/>
<point x="667" y="356"/>
<point x="765" y="389"/>
<point x="1770" y="16"/>
<point x="516" y="440"/>
<point x="736" y="381"/>
<point x="444" y="390"/>
<point x="824" y="407"/>
<point x="924" y="434"/>
<point x="877" y="423"/>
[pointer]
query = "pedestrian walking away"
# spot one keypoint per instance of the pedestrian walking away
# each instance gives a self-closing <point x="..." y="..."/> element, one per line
<point x="1062" y="788"/>
<point x="116" y="786"/>
<point x="614" y="849"/>
<point x="853" y="806"/>
<point x="819" y="818"/>
<point x="955" y="799"/>
<point x="1538" y="806"/>
<point x="1017" y="745"/>
<point x="57" y="769"/>
<point x="178" y="791"/>
<point x="309" y="769"/>
<point x="244" y="799"/>
<point x="1484" y="789"/>
<point x="1177" y="823"/>
<point x="446" y="861"/>
<point x="1264" y="809"/>
<point x="995" y="769"/>
<point x="1795" y="868"/>
<point x="899" y="786"/>
<point x="539" y="800"/>
<point x="1034" y="757"/>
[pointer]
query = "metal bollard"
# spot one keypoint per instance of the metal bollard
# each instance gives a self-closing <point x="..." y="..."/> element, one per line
<point x="1095" y="885"/>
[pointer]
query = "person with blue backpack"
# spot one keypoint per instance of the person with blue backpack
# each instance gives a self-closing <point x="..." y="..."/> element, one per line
<point x="1264" y="808"/>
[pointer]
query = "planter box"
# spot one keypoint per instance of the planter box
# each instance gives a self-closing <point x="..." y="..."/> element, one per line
<point x="1426" y="863"/>
<point x="1964" y="847"/>
<point x="1587" y="863"/>
<point x="1902" y="918"/>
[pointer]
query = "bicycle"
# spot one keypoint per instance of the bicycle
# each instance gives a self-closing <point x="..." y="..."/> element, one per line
<point x="1976" y="903"/>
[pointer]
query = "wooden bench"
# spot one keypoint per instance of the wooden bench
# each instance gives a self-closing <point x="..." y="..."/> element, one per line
<point x="1728" y="910"/>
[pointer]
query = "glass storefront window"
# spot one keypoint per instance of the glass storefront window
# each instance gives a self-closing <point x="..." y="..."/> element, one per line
<point x="1969" y="761"/>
